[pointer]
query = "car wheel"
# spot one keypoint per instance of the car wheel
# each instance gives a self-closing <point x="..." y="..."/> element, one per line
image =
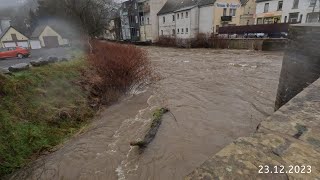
<point x="20" y="56"/>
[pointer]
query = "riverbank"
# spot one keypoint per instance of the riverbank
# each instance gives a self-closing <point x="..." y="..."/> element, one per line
<point x="214" y="97"/>
<point x="39" y="109"/>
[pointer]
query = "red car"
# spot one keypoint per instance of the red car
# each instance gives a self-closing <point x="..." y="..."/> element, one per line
<point x="11" y="52"/>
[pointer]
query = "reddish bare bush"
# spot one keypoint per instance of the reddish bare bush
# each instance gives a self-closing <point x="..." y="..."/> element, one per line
<point x="167" y="41"/>
<point x="202" y="41"/>
<point x="119" y="68"/>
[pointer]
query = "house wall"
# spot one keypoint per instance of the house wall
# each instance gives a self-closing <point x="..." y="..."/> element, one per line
<point x="303" y="9"/>
<point x="218" y="12"/>
<point x="206" y="19"/>
<point x="50" y="32"/>
<point x="184" y="24"/>
<point x="247" y="13"/>
<point x="273" y="11"/>
<point x="146" y="28"/>
<point x="167" y="26"/>
<point x="7" y="36"/>
<point x="155" y="6"/>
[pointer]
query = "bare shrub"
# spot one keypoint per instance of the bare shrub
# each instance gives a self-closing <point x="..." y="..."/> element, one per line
<point x="167" y="41"/>
<point x="202" y="41"/>
<point x="117" y="69"/>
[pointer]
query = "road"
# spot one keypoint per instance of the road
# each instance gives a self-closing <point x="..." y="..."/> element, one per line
<point x="35" y="54"/>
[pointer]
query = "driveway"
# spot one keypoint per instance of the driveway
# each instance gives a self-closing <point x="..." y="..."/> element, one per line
<point x="35" y="54"/>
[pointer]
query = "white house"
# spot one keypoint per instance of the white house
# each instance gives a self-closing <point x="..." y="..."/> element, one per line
<point x="46" y="36"/>
<point x="269" y="11"/>
<point x="186" y="18"/>
<point x="10" y="37"/>
<point x="300" y="11"/>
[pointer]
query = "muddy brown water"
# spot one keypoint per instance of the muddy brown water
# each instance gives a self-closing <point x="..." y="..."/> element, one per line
<point x="215" y="96"/>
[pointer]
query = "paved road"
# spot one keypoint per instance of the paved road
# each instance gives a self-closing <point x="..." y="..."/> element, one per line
<point x="35" y="54"/>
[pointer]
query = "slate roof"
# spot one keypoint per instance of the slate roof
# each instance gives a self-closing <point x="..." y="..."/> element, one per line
<point x="176" y="5"/>
<point x="37" y="31"/>
<point x="4" y="32"/>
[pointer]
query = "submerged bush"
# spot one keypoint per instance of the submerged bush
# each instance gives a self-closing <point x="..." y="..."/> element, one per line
<point x="117" y="69"/>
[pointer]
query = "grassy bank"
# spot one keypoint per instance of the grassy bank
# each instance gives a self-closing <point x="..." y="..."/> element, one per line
<point x="39" y="109"/>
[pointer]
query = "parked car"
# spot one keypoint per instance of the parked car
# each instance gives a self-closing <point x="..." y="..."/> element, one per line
<point x="255" y="35"/>
<point x="11" y="52"/>
<point x="278" y="35"/>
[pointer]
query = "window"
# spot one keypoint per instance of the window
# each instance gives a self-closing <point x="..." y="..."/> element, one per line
<point x="295" y="4"/>
<point x="293" y="17"/>
<point x="217" y="28"/>
<point x="232" y="12"/>
<point x="280" y="4"/>
<point x="313" y="17"/>
<point x="161" y="32"/>
<point x="224" y="11"/>
<point x="259" y="21"/>
<point x="313" y="3"/>
<point x="187" y="30"/>
<point x="177" y="16"/>
<point x="301" y="16"/>
<point x="124" y="5"/>
<point x="142" y="20"/>
<point x="187" y="14"/>
<point x="181" y="15"/>
<point x="248" y="22"/>
<point x="137" y="21"/>
<point x="266" y="7"/>
<point x="148" y="21"/>
<point x="14" y="37"/>
<point x="173" y="31"/>
<point x="173" y="18"/>
<point x="285" y="19"/>
<point x="138" y="34"/>
<point x="135" y="5"/>
<point x="181" y="31"/>
<point x="178" y="31"/>
<point x="163" y="19"/>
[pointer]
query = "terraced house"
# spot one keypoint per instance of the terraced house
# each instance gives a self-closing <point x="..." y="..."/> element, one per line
<point x="269" y="11"/>
<point x="186" y="18"/>
<point x="301" y="11"/>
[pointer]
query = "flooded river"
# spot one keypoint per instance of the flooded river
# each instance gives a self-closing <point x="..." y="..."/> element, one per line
<point x="215" y="96"/>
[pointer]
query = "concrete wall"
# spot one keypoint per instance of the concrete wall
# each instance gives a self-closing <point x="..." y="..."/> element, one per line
<point x="301" y="62"/>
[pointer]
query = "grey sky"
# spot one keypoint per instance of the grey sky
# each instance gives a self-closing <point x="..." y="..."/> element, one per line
<point x="7" y="3"/>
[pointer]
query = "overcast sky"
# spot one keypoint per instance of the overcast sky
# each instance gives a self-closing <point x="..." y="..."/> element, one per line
<point x="6" y="3"/>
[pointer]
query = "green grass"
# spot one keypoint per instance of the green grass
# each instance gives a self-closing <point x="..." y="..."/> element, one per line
<point x="39" y="109"/>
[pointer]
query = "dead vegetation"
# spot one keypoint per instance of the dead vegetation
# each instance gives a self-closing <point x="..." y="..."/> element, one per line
<point x="116" y="69"/>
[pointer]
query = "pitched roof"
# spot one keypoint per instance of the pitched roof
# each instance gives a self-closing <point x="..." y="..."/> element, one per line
<point x="176" y="5"/>
<point x="262" y="1"/>
<point x="4" y="32"/>
<point x="37" y="31"/>
<point x="243" y="2"/>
